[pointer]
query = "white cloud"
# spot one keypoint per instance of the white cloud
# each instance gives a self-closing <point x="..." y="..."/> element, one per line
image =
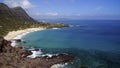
<point x="52" y="14"/>
<point x="15" y="3"/>
<point x="47" y="14"/>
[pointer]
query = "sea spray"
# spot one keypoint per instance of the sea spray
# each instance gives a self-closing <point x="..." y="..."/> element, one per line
<point x="35" y="53"/>
<point x="59" y="65"/>
<point x="39" y="53"/>
<point x="13" y="43"/>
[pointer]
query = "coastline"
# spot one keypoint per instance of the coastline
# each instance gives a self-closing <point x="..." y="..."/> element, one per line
<point x="14" y="35"/>
<point x="20" y="33"/>
<point x="16" y="57"/>
<point x="13" y="56"/>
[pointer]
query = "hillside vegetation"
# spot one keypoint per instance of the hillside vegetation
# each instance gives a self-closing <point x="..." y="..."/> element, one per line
<point x="12" y="19"/>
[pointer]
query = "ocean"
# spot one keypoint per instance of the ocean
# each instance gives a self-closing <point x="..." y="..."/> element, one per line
<point x="94" y="43"/>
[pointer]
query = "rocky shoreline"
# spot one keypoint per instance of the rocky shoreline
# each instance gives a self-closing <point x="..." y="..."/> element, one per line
<point x="16" y="57"/>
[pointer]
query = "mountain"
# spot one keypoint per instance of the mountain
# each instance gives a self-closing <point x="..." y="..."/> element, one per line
<point x="17" y="12"/>
<point x="13" y="19"/>
<point x="20" y="13"/>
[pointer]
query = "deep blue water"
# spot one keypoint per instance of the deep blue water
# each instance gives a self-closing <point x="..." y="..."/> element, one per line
<point x="94" y="43"/>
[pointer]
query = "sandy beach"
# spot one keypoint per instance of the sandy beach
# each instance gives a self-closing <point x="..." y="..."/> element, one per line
<point x="20" y="33"/>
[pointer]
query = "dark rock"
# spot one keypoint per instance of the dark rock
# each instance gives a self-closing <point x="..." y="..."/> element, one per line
<point x="83" y="66"/>
<point x="5" y="47"/>
<point x="1" y="40"/>
<point x="17" y="40"/>
<point x="36" y="49"/>
<point x="24" y="42"/>
<point x="16" y="57"/>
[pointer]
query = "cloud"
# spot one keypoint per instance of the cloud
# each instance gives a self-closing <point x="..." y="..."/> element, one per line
<point x="55" y="14"/>
<point x="52" y="14"/>
<point x="47" y="14"/>
<point x="23" y="3"/>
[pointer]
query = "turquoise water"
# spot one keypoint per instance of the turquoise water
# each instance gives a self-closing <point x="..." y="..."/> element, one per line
<point x="94" y="43"/>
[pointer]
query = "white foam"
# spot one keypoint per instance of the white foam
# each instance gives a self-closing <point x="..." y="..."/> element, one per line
<point x="49" y="55"/>
<point x="59" y="65"/>
<point x="13" y="43"/>
<point x="39" y="53"/>
<point x="19" y="36"/>
<point x="35" y="53"/>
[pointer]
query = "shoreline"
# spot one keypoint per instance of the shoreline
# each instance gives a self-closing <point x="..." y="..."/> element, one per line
<point x="16" y="57"/>
<point x="20" y="33"/>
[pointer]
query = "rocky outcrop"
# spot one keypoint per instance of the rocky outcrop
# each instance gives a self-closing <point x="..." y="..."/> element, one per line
<point x="5" y="47"/>
<point x="16" y="57"/>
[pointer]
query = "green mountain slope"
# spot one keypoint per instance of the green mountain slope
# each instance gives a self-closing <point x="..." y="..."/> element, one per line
<point x="12" y="19"/>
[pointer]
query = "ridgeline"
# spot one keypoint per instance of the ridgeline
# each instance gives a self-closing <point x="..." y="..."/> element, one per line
<point x="12" y="19"/>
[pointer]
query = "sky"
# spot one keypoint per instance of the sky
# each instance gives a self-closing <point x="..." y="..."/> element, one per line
<point x="69" y="9"/>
